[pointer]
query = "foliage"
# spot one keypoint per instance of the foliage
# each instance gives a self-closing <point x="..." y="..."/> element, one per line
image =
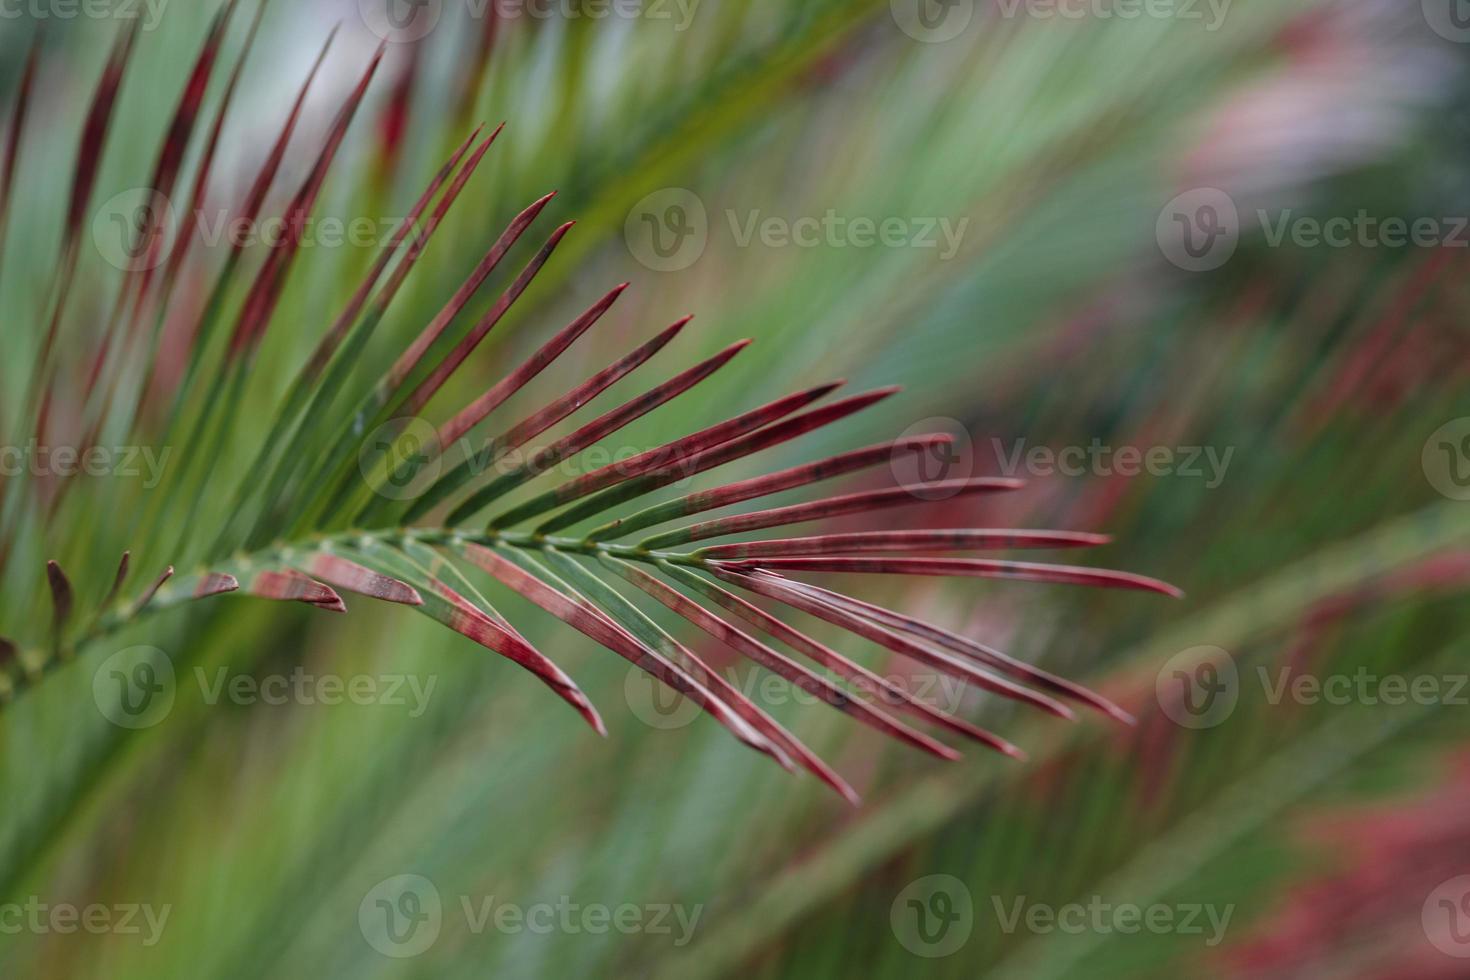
<point x="264" y="826"/>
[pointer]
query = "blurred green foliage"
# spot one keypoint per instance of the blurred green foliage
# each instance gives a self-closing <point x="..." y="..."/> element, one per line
<point x="1058" y="322"/>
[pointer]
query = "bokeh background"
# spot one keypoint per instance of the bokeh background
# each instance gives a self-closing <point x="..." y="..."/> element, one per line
<point x="1136" y="195"/>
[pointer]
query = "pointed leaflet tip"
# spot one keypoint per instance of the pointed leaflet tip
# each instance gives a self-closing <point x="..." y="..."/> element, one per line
<point x="966" y="647"/>
<point x="578" y="612"/>
<point x="787" y="479"/>
<point x="793" y="594"/>
<point x="765" y="656"/>
<point x="1011" y="750"/>
<point x="214" y="583"/>
<point x="828" y="507"/>
<point x="474" y="413"/>
<point x="349" y="575"/>
<point x="152" y="590"/>
<point x="451" y="362"/>
<point x="484" y="626"/>
<point x="61" y="596"/>
<point x="122" y="573"/>
<point x="292" y="586"/>
<point x="557" y="410"/>
<point x="652" y="469"/>
<point x="698" y="453"/>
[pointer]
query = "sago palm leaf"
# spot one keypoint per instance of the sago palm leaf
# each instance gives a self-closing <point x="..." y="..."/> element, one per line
<point x="353" y="491"/>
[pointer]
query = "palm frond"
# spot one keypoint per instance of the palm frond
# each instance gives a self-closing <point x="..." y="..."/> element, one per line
<point x="330" y="512"/>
